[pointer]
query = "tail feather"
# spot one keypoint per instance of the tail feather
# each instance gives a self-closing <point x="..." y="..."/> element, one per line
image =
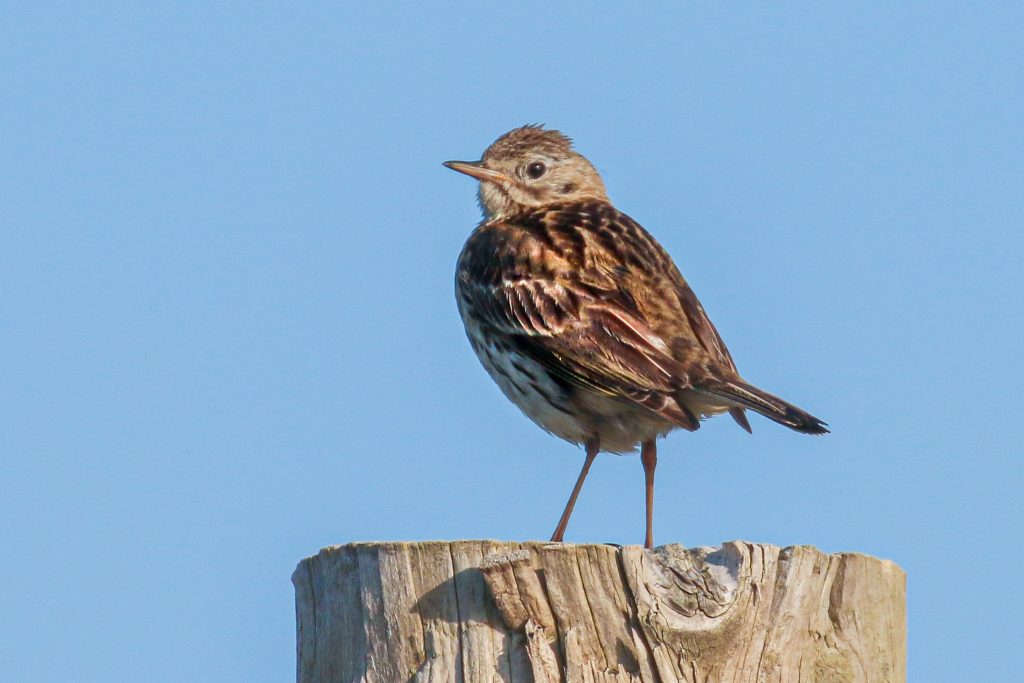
<point x="741" y="419"/>
<point x="772" y="407"/>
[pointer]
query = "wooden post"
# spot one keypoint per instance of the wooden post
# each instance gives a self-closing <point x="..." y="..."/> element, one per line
<point x="487" y="611"/>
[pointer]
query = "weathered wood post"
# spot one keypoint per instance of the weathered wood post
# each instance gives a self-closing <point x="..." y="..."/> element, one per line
<point x="487" y="611"/>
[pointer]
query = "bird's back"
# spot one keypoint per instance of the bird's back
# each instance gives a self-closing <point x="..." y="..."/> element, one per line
<point x="595" y="250"/>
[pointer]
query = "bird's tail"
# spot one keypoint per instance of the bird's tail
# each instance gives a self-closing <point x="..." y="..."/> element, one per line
<point x="774" y="408"/>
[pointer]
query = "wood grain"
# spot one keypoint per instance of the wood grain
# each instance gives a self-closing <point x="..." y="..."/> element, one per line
<point x="495" y="612"/>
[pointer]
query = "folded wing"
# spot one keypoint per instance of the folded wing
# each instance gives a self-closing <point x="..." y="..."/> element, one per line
<point x="585" y="338"/>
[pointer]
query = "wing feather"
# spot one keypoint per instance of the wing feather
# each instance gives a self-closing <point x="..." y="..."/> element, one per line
<point x="584" y="341"/>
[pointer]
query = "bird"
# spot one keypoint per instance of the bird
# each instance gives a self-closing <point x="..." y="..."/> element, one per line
<point x="583" y="319"/>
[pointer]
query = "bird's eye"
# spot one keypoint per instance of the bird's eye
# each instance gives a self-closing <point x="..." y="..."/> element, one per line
<point x="536" y="169"/>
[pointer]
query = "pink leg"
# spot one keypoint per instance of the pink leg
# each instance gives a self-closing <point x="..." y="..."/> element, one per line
<point x="593" y="448"/>
<point x="649" y="458"/>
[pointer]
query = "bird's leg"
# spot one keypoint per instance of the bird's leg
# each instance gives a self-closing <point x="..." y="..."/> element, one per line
<point x="649" y="458"/>
<point x="593" y="447"/>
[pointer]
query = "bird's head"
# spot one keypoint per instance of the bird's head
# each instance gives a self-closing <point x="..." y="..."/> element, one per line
<point x="529" y="167"/>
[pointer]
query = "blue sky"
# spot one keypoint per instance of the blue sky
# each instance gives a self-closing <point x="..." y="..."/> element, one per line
<point x="228" y="334"/>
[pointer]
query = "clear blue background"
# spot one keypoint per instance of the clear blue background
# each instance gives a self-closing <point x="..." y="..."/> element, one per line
<point x="229" y="336"/>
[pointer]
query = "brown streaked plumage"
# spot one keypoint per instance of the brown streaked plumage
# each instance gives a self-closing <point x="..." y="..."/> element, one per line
<point x="582" y="318"/>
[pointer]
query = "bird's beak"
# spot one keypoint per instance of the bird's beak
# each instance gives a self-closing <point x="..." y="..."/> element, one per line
<point x="476" y="169"/>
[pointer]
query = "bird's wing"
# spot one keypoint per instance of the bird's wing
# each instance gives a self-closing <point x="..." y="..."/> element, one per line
<point x="584" y="341"/>
<point x="703" y="329"/>
<point x="584" y="335"/>
<point x="691" y="327"/>
<point x="707" y="334"/>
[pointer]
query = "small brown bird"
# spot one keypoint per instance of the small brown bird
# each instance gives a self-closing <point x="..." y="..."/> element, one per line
<point x="582" y="318"/>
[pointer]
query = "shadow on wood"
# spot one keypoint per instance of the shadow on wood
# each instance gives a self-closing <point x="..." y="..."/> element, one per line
<point x="511" y="612"/>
